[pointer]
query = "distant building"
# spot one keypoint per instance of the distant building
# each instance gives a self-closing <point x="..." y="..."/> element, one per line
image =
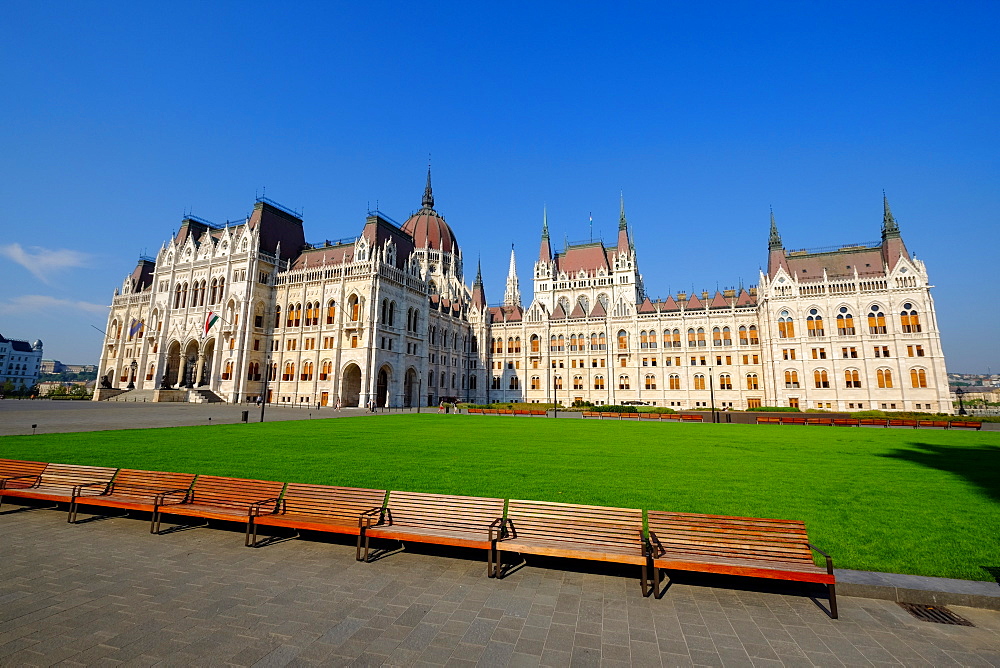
<point x="250" y="310"/>
<point x="20" y="362"/>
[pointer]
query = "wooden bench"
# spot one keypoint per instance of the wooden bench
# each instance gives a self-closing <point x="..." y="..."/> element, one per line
<point x="133" y="489"/>
<point x="566" y="530"/>
<point x="489" y="411"/>
<point x="670" y="416"/>
<point x="845" y="422"/>
<point x="220" y="498"/>
<point x="317" y="508"/>
<point x="933" y="424"/>
<point x="538" y="412"/>
<point x="649" y="416"/>
<point x="590" y="414"/>
<point x="787" y="419"/>
<point x="820" y="421"/>
<point x="768" y="419"/>
<point x="473" y="411"/>
<point x="521" y="411"/>
<point x="965" y="424"/>
<point x="58" y="482"/>
<point x="438" y="519"/>
<point x="692" y="418"/>
<point x="17" y="468"/>
<point x="614" y="416"/>
<point x="628" y="416"/>
<point x="873" y="422"/>
<point x="898" y="422"/>
<point x="753" y="547"/>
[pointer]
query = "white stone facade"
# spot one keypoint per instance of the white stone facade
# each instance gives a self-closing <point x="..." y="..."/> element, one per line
<point x="20" y="363"/>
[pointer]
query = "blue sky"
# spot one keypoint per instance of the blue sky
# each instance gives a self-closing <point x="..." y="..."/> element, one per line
<point x="119" y="118"/>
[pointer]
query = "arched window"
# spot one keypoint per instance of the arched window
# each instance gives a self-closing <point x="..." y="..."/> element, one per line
<point x="577" y="382"/>
<point x="385" y="312"/>
<point x="699" y="381"/>
<point x="222" y="289"/>
<point x="727" y="336"/>
<point x="331" y="311"/>
<point x="184" y="296"/>
<point x="692" y="338"/>
<point x="602" y="341"/>
<point x="845" y="322"/>
<point x="553" y="343"/>
<point x="177" y="296"/>
<point x="918" y="378"/>
<point x="622" y="340"/>
<point x="514" y="383"/>
<point x="453" y="385"/>
<point x="444" y="379"/>
<point x="354" y="306"/>
<point x="652" y="338"/>
<point x="743" y="335"/>
<point x="536" y="383"/>
<point x="814" y="323"/>
<point x="674" y="381"/>
<point x="392" y="314"/>
<point x="701" y="337"/>
<point x="650" y="381"/>
<point x="150" y="371"/>
<point x="876" y="320"/>
<point x="752" y="382"/>
<point x="289" y="371"/>
<point x="290" y="320"/>
<point x="215" y="291"/>
<point x="598" y="382"/>
<point x="298" y="315"/>
<point x="472" y="382"/>
<point x="201" y="297"/>
<point x="326" y="370"/>
<point x="557" y="382"/>
<point x="791" y="379"/>
<point x="496" y="383"/>
<point x="227" y="371"/>
<point x="561" y="343"/>
<point x="517" y="344"/>
<point x="909" y="319"/>
<point x="253" y="371"/>
<point x="572" y="342"/>
<point x="852" y="378"/>
<point x="510" y="345"/>
<point x="786" y="326"/>
<point x="307" y="371"/>
<point x="822" y="379"/>
<point x="272" y="372"/>
<point x="754" y="340"/>
<point x="534" y="343"/>
<point x="716" y="336"/>
<point x="643" y="339"/>
<point x="277" y="317"/>
<point x="725" y="381"/>
<point x="623" y="383"/>
<point x="884" y="377"/>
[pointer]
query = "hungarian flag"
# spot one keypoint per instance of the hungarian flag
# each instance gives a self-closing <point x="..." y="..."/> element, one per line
<point x="135" y="327"/>
<point x="210" y="320"/>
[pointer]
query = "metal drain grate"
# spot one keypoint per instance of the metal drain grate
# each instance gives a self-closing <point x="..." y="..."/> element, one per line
<point x="935" y="613"/>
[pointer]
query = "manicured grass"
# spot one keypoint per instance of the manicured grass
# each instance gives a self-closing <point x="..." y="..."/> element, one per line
<point x="925" y="501"/>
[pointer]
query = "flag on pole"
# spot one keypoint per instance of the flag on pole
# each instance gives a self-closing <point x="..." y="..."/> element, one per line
<point x="210" y="320"/>
<point x="135" y="327"/>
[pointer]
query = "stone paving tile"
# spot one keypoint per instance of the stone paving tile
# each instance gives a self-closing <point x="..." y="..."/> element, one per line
<point x="108" y="593"/>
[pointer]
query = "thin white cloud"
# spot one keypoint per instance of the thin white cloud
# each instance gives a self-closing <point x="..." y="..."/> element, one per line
<point x="26" y="304"/>
<point x="43" y="263"/>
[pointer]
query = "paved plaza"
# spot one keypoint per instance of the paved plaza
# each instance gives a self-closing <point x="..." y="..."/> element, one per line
<point x="107" y="592"/>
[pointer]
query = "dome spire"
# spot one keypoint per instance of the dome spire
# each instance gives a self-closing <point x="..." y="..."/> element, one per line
<point x="774" y="242"/>
<point x="889" y="226"/>
<point x="428" y="201"/>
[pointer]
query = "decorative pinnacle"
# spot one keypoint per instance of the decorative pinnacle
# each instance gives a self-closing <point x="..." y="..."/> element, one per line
<point x="622" y="223"/>
<point x="479" y="274"/>
<point x="545" y="222"/>
<point x="889" y="226"/>
<point x="428" y="201"/>
<point x="774" y="242"/>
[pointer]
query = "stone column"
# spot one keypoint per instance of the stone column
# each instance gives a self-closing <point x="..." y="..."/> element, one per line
<point x="199" y="370"/>
<point x="181" y="370"/>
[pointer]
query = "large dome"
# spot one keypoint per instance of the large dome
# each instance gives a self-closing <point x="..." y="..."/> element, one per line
<point x="428" y="228"/>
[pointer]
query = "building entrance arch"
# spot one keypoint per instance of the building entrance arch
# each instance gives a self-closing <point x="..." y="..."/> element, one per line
<point x="409" y="383"/>
<point x="351" y="385"/>
<point x="170" y="375"/>
<point x="382" y="386"/>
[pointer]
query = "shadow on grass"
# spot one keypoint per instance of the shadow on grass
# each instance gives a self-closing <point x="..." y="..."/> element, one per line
<point x="980" y="465"/>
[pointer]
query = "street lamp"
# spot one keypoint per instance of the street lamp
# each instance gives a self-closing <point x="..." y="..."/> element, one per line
<point x="131" y="383"/>
<point x="711" y="392"/>
<point x="961" y="406"/>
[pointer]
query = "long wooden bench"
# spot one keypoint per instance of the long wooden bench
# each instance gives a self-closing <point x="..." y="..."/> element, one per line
<point x="965" y="424"/>
<point x="628" y="416"/>
<point x="134" y="489"/>
<point x="768" y="419"/>
<point x="567" y="530"/>
<point x="439" y="519"/>
<point x="692" y="418"/>
<point x="670" y="416"/>
<point x="538" y="412"/>
<point x="753" y="547"/>
<point x="317" y="508"/>
<point x="58" y="482"/>
<point x="820" y="421"/>
<point x="845" y="422"/>
<point x="935" y="424"/>
<point x="873" y="422"/>
<point x="474" y="411"/>
<point x="900" y="422"/>
<point x="220" y="498"/>
<point x="590" y="414"/>
<point x="786" y="419"/>
<point x="649" y="416"/>
<point x="614" y="416"/>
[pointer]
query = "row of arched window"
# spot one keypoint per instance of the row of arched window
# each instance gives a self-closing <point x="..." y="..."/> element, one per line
<point x="200" y="292"/>
<point x="852" y="378"/>
<point x="468" y="381"/>
<point x="909" y="322"/>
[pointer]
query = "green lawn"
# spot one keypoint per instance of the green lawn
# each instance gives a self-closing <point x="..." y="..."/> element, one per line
<point x="925" y="502"/>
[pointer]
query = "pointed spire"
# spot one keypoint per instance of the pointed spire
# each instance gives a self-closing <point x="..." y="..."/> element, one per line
<point x="889" y="226"/>
<point x="622" y="222"/>
<point x="512" y="295"/>
<point x="544" y="249"/>
<point x="479" y="273"/>
<point x="774" y="242"/>
<point x="428" y="201"/>
<point x="545" y="222"/>
<point x="478" y="293"/>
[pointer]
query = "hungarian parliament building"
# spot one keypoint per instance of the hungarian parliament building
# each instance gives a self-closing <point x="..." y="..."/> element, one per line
<point x="248" y="311"/>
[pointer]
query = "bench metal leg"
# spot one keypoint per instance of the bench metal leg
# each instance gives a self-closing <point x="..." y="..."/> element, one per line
<point x="71" y="517"/>
<point x="493" y="566"/>
<point x="253" y="527"/>
<point x="362" y="536"/>
<point x="833" y="601"/>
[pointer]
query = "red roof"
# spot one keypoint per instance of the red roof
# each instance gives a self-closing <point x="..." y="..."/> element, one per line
<point x="647" y="306"/>
<point x="670" y="304"/>
<point x="578" y="312"/>
<point x="694" y="302"/>
<point x="744" y="299"/>
<point x="598" y="311"/>
<point x="429" y="230"/>
<point x="590" y="258"/>
<point x="719" y="301"/>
